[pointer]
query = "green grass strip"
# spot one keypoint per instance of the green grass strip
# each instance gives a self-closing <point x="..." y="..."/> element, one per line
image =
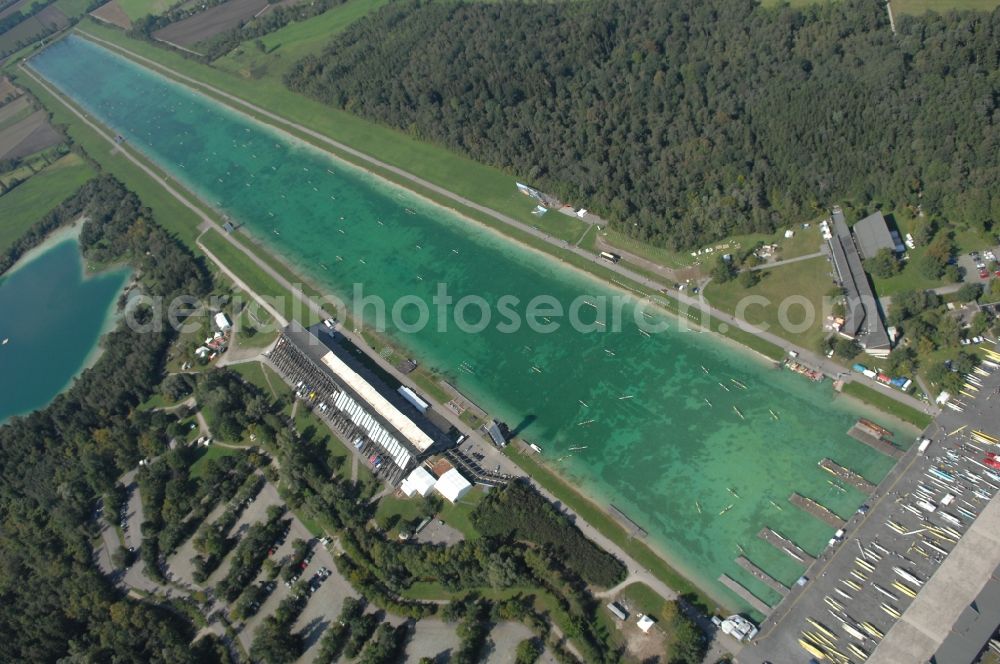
<point x="607" y="526"/>
<point x="888" y="405"/>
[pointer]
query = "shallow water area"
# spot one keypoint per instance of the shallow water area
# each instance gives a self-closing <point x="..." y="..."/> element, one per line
<point x="699" y="443"/>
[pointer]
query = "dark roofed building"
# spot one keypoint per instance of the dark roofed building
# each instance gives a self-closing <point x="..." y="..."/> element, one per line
<point x="873" y="234"/>
<point x="977" y="624"/>
<point x="862" y="319"/>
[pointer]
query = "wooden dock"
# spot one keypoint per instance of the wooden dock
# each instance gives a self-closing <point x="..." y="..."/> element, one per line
<point x="751" y="599"/>
<point x="785" y="545"/>
<point x="817" y="510"/>
<point x="869" y="436"/>
<point x="846" y="474"/>
<point x="761" y="575"/>
<point x="633" y="528"/>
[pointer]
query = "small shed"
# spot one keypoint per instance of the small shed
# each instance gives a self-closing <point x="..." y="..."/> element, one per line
<point x="418" y="482"/>
<point x="645" y="623"/>
<point x="618" y="611"/>
<point x="452" y="485"/>
<point x="222" y="321"/>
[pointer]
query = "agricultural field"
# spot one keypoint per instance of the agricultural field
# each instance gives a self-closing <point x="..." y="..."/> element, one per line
<point x="26" y="31"/>
<point x="921" y="6"/>
<point x="71" y="8"/>
<point x="112" y="12"/>
<point x="27" y="136"/>
<point x="136" y="9"/>
<point x="14" y="112"/>
<point x="7" y="90"/>
<point x="17" y="6"/>
<point x="205" y="25"/>
<point x="29" y="201"/>
<point x="285" y="47"/>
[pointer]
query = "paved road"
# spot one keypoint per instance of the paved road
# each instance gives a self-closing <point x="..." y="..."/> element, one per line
<point x="163" y="183"/>
<point x="700" y="305"/>
<point x="693" y="305"/>
<point x="893" y="501"/>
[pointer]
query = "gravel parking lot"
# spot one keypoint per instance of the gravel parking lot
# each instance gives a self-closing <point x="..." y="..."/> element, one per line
<point x="180" y="562"/>
<point x="436" y="532"/>
<point x="432" y="637"/>
<point x="255" y="512"/>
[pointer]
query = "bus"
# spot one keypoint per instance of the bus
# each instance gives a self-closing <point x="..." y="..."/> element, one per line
<point x="610" y="257"/>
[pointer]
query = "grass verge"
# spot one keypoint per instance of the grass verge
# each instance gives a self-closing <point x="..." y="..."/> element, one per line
<point x="169" y="212"/>
<point x="806" y="281"/>
<point x="888" y="404"/>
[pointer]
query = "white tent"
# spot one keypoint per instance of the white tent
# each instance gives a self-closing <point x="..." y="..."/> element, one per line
<point x="452" y="485"/>
<point x="645" y="623"/>
<point x="419" y="482"/>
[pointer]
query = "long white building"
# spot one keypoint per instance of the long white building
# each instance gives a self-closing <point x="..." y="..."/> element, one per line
<point x="379" y="421"/>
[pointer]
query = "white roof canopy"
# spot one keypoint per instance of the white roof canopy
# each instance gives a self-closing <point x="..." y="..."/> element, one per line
<point x="378" y="403"/>
<point x="452" y="485"/>
<point x="419" y="481"/>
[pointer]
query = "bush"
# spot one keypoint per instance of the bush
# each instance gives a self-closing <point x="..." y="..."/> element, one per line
<point x="749" y="278"/>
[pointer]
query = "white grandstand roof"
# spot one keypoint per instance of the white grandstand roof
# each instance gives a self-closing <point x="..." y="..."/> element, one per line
<point x="419" y="481"/>
<point x="378" y="403"/>
<point x="452" y="485"/>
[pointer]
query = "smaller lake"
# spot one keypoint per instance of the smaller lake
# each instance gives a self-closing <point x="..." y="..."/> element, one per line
<point x="53" y="316"/>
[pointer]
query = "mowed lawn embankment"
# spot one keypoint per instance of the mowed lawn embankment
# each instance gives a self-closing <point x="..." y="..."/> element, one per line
<point x="483" y="184"/>
<point x="789" y="292"/>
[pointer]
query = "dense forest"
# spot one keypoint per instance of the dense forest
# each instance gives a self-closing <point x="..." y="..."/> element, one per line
<point x="689" y="120"/>
<point x="57" y="462"/>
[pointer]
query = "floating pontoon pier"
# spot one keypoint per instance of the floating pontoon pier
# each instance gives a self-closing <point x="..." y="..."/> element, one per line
<point x="785" y="545"/>
<point x="876" y="437"/>
<point x="633" y="528"/>
<point x="817" y="510"/>
<point x="846" y="474"/>
<point x="751" y="599"/>
<point x="761" y="575"/>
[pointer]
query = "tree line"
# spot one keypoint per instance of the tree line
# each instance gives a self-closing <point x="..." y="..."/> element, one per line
<point x="56" y="463"/>
<point x="687" y="121"/>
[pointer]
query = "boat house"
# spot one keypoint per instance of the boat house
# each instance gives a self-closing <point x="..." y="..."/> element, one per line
<point x="862" y="317"/>
<point x="873" y="234"/>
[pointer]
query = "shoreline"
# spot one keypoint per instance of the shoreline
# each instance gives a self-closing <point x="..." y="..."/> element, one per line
<point x="684" y="581"/>
<point x="694" y="581"/>
<point x="549" y="258"/>
<point x="112" y="315"/>
<point x="199" y="88"/>
<point x="57" y="236"/>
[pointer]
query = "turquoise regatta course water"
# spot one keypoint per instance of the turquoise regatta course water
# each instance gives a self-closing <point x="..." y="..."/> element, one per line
<point x="53" y="316"/>
<point x="675" y="455"/>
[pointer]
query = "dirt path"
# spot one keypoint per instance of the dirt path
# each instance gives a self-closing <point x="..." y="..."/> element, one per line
<point x="807" y="257"/>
